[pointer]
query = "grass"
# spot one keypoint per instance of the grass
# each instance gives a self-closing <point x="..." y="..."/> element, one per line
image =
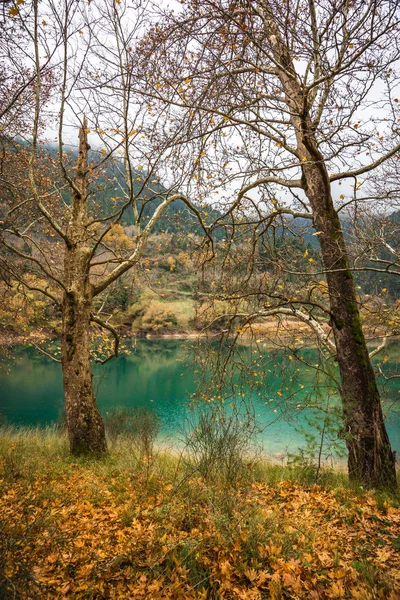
<point x="184" y="310"/>
<point x="144" y="523"/>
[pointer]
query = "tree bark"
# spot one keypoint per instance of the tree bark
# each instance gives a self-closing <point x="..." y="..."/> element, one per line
<point x="84" y="423"/>
<point x="370" y="457"/>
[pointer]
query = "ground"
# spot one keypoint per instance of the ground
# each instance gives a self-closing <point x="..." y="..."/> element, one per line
<point x="140" y="525"/>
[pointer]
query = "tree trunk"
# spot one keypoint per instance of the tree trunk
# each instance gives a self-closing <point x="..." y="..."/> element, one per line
<point x="84" y="423"/>
<point x="370" y="458"/>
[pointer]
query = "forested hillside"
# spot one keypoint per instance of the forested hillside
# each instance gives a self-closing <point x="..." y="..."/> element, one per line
<point x="172" y="290"/>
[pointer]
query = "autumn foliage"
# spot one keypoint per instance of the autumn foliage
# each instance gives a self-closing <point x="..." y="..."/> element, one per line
<point x="136" y="526"/>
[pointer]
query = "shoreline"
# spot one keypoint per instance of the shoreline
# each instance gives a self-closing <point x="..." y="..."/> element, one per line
<point x="287" y="331"/>
<point x="279" y="459"/>
<point x="174" y="448"/>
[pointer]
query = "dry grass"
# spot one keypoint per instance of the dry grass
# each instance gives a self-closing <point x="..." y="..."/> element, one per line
<point x="146" y="525"/>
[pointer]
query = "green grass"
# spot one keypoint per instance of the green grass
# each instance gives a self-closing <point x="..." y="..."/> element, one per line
<point x="26" y="452"/>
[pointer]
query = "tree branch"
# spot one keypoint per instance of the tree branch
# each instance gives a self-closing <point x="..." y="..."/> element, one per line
<point x="379" y="348"/>
<point x="367" y="168"/>
<point x="57" y="360"/>
<point x="140" y="246"/>
<point x="113" y="331"/>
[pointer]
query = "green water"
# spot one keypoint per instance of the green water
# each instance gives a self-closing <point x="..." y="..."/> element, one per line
<point x="161" y="374"/>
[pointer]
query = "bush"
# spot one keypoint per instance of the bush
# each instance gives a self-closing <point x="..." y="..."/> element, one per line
<point x="221" y="446"/>
<point x="158" y="316"/>
<point x="141" y="425"/>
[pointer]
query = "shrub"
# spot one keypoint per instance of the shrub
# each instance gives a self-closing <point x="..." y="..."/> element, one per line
<point x="141" y="425"/>
<point x="221" y="445"/>
<point x="158" y="316"/>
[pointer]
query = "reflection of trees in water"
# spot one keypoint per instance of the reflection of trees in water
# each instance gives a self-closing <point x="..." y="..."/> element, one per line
<point x="30" y="366"/>
<point x="161" y="354"/>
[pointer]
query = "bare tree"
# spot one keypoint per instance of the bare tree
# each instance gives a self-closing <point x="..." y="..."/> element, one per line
<point x="283" y="104"/>
<point x="57" y="224"/>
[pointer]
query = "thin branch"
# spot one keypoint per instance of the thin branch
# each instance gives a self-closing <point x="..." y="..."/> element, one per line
<point x="34" y="260"/>
<point x="140" y="246"/>
<point x="367" y="168"/>
<point x="113" y="331"/>
<point x="379" y="348"/>
<point x="57" y="360"/>
<point x="306" y="318"/>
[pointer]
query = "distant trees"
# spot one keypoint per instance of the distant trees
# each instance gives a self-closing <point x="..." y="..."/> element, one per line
<point x="52" y="226"/>
<point x="282" y="104"/>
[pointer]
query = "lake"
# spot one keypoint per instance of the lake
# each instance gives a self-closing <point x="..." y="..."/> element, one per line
<point x="161" y="374"/>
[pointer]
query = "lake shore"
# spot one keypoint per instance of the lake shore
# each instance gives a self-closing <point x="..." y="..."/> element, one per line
<point x="164" y="374"/>
<point x="283" y="330"/>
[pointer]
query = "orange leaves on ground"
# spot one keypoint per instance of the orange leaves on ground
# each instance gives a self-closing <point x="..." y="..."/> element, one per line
<point x="88" y="535"/>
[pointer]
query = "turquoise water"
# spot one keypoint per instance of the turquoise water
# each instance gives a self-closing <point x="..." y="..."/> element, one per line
<point x="161" y="374"/>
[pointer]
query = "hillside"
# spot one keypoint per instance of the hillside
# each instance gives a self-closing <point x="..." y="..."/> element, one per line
<point x="172" y="290"/>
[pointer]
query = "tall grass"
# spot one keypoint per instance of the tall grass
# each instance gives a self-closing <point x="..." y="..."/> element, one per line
<point x="215" y="451"/>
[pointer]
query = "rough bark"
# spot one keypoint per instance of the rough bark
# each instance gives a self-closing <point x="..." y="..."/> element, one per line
<point x="370" y="458"/>
<point x="84" y="423"/>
